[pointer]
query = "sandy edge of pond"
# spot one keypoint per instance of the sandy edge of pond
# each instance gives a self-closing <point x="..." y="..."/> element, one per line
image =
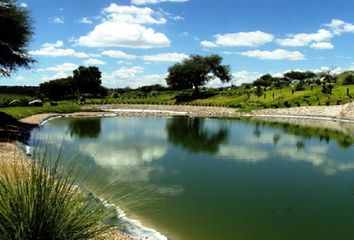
<point x="300" y="115"/>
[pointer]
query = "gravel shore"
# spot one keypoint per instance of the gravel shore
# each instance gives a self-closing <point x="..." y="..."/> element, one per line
<point x="339" y="112"/>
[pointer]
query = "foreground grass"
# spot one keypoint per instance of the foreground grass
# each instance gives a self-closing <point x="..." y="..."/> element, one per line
<point x="22" y="112"/>
<point x="38" y="200"/>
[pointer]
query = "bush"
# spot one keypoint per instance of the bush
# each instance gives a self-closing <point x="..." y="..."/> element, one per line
<point x="349" y="80"/>
<point x="40" y="201"/>
<point x="300" y="87"/>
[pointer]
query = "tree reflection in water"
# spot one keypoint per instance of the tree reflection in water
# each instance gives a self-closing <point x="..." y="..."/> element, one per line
<point x="85" y="127"/>
<point x="193" y="135"/>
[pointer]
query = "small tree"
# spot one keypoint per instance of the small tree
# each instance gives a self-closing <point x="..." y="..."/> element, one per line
<point x="196" y="71"/>
<point x="16" y="33"/>
<point x="259" y="92"/>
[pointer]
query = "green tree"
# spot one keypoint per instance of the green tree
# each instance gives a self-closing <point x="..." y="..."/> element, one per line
<point x="196" y="71"/>
<point x="87" y="80"/>
<point x="349" y="80"/>
<point x="16" y="33"/>
<point x="259" y="91"/>
<point x="58" y="89"/>
<point x="297" y="75"/>
<point x="264" y="81"/>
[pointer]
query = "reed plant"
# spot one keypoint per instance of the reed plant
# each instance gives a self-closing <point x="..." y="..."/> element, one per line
<point x="39" y="200"/>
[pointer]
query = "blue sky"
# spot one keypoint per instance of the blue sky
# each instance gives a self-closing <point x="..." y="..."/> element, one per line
<point x="133" y="42"/>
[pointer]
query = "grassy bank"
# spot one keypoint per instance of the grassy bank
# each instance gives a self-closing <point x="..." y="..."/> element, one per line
<point x="22" y="112"/>
<point x="237" y="97"/>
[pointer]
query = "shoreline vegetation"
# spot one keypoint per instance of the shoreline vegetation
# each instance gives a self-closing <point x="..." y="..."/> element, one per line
<point x="341" y="119"/>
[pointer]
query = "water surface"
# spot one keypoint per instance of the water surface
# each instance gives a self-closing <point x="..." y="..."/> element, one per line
<point x="222" y="179"/>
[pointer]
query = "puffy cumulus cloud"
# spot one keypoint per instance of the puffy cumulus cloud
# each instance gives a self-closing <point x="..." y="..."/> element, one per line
<point x="132" y="14"/>
<point x="131" y="77"/>
<point x="85" y="20"/>
<point x="118" y="54"/>
<point x="278" y="54"/>
<point x="208" y="44"/>
<point x="322" y="45"/>
<point x="237" y="79"/>
<point x="94" y="61"/>
<point x="133" y="33"/>
<point x="57" y="44"/>
<point x="305" y="39"/>
<point x="58" y="20"/>
<point x="55" y="76"/>
<point x="241" y="39"/>
<point x="165" y="57"/>
<point x="54" y="50"/>
<point x="65" y="67"/>
<point x="244" y="77"/>
<point x="24" y="5"/>
<point x="144" y="2"/>
<point x="339" y="26"/>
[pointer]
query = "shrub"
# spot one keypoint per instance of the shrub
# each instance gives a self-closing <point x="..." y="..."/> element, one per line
<point x="40" y="201"/>
<point x="349" y="80"/>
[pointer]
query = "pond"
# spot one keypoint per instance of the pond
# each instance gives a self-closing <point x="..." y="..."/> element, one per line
<point x="219" y="179"/>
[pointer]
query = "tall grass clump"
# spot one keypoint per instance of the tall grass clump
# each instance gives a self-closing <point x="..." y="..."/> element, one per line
<point x="39" y="200"/>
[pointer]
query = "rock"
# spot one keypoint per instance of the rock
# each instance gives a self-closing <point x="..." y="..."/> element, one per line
<point x="37" y="103"/>
<point x="53" y="103"/>
<point x="15" y="102"/>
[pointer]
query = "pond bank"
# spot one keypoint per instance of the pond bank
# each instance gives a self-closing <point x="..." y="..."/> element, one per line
<point x="335" y="113"/>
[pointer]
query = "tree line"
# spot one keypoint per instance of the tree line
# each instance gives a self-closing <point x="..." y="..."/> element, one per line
<point x="85" y="81"/>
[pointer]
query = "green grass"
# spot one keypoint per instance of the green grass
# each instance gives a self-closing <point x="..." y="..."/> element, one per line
<point x="242" y="98"/>
<point x="38" y="200"/>
<point x="22" y="112"/>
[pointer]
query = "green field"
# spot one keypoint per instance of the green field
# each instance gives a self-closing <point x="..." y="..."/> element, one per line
<point x="22" y="112"/>
<point x="239" y="97"/>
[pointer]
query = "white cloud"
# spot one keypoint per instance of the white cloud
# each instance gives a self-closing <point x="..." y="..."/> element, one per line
<point x="132" y="14"/>
<point x="118" y="54"/>
<point x="278" y="54"/>
<point x="85" y="20"/>
<point x="144" y="2"/>
<point x="305" y="39"/>
<point x="24" y="5"/>
<point x="339" y="26"/>
<point x="165" y="57"/>
<point x="132" y="33"/>
<point x="241" y="39"/>
<point x="20" y="78"/>
<point x="55" y="76"/>
<point x="208" y="44"/>
<point x="94" y="61"/>
<point x="131" y="77"/>
<point x="322" y="45"/>
<point x="57" y="44"/>
<point x="128" y="72"/>
<point x="245" y="77"/>
<point x="58" y="20"/>
<point x="53" y="50"/>
<point x="65" y="67"/>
